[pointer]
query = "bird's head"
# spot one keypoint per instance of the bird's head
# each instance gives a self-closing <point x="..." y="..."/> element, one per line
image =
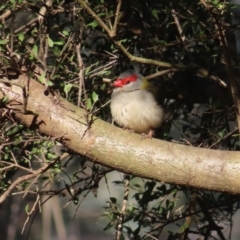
<point x="131" y="80"/>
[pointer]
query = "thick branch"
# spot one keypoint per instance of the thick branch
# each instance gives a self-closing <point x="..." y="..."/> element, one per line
<point x="126" y="152"/>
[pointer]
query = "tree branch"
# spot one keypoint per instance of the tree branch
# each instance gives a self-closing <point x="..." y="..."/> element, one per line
<point x="114" y="30"/>
<point x="123" y="151"/>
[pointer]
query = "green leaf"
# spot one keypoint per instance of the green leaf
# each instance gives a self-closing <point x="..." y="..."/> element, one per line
<point x="103" y="86"/>
<point x="14" y="130"/>
<point x="57" y="170"/>
<point x="89" y="103"/>
<point x="51" y="156"/>
<point x="67" y="88"/>
<point x="42" y="78"/>
<point x="5" y="99"/>
<point x="34" y="52"/>
<point x="93" y="24"/>
<point x="123" y="40"/>
<point x="94" y="97"/>
<point x="21" y="37"/>
<point x="3" y="42"/>
<point x="59" y="43"/>
<point x="66" y="33"/>
<point x="49" y="83"/>
<point x="221" y="133"/>
<point x="155" y="13"/>
<point x="26" y="208"/>
<point x="50" y="42"/>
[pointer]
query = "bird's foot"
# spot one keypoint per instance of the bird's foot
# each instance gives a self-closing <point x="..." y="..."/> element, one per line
<point x="149" y="135"/>
<point x="129" y="130"/>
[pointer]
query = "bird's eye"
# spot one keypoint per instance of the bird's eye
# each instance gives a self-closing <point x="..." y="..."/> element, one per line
<point x="128" y="82"/>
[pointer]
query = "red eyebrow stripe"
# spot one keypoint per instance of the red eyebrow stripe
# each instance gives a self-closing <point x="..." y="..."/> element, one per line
<point x="123" y="81"/>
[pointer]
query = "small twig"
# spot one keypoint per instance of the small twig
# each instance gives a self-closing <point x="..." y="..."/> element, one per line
<point x="180" y="31"/>
<point x="80" y="74"/>
<point x="43" y="45"/>
<point x="149" y="235"/>
<point x="102" y="68"/>
<point x="16" y="165"/>
<point x="24" y="91"/>
<point x="114" y="29"/>
<point x="188" y="220"/>
<point x="6" y="14"/>
<point x="84" y="196"/>
<point x="26" y="26"/>
<point x="30" y="213"/>
<point x="124" y="207"/>
<point x="43" y="10"/>
<point x="223" y="138"/>
<point x="27" y="141"/>
<point x="161" y="73"/>
<point x="80" y="65"/>
<point x="98" y="109"/>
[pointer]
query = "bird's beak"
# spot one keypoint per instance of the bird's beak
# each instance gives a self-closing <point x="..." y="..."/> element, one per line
<point x="118" y="83"/>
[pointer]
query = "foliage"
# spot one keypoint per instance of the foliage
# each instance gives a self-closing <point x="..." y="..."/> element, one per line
<point x="75" y="53"/>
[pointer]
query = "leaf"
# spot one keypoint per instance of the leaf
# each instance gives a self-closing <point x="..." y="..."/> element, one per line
<point x="93" y="24"/>
<point x="65" y="32"/>
<point x="34" y="52"/>
<point x="42" y="78"/>
<point x="21" y="37"/>
<point x="13" y="130"/>
<point x="3" y="42"/>
<point x="103" y="86"/>
<point x="113" y="199"/>
<point x="50" y="156"/>
<point x="155" y="13"/>
<point x="89" y="103"/>
<point x="59" y="43"/>
<point x="221" y="133"/>
<point x="94" y="97"/>
<point x="5" y="99"/>
<point x="123" y="40"/>
<point x="50" y="42"/>
<point x="49" y="83"/>
<point x="26" y="208"/>
<point x="57" y="170"/>
<point x="67" y="88"/>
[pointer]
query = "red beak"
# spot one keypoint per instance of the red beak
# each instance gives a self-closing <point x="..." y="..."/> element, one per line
<point x="118" y="83"/>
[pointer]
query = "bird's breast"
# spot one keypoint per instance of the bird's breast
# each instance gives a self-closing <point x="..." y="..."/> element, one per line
<point x="136" y="110"/>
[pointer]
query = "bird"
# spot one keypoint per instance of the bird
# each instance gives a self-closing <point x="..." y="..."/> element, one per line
<point x="134" y="106"/>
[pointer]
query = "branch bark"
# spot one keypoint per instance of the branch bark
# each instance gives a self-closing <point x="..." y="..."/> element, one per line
<point x="123" y="151"/>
